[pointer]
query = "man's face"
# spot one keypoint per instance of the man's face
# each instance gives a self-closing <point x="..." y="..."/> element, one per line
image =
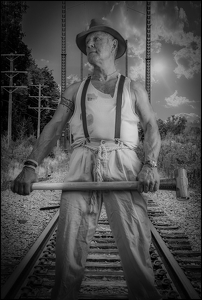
<point x="99" y="46"/>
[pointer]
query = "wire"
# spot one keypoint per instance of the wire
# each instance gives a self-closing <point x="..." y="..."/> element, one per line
<point x="76" y="5"/>
<point x="135" y="10"/>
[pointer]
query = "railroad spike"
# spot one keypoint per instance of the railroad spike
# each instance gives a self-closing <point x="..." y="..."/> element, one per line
<point x="178" y="184"/>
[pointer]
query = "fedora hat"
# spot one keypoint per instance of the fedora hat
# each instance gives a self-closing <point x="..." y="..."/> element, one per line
<point x="101" y="25"/>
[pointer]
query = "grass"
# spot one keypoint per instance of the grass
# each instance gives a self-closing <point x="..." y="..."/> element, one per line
<point x="13" y="157"/>
<point x="173" y="154"/>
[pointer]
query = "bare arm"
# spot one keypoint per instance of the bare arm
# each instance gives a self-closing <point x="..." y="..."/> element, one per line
<point x="152" y="143"/>
<point x="53" y="130"/>
<point x="46" y="141"/>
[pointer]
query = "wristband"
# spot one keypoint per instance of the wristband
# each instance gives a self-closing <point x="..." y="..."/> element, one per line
<point x="151" y="163"/>
<point x="31" y="162"/>
<point x="29" y="166"/>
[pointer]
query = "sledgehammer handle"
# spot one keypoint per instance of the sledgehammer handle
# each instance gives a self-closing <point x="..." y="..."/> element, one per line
<point x="99" y="186"/>
<point x="178" y="184"/>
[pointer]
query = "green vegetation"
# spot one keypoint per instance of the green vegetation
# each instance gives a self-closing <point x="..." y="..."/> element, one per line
<point x="13" y="158"/>
<point x="180" y="148"/>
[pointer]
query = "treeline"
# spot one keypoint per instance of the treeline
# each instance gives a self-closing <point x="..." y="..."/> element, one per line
<point x="180" y="147"/>
<point x="24" y="119"/>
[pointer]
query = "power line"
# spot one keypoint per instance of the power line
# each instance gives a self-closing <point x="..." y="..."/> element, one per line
<point x="76" y="5"/>
<point x="39" y="105"/>
<point x="136" y="10"/>
<point x="11" y="88"/>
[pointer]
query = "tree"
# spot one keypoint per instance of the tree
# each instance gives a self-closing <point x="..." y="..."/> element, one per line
<point x="11" y="42"/>
<point x="162" y="128"/>
<point x="11" y="36"/>
<point x="175" y="124"/>
<point x="44" y="77"/>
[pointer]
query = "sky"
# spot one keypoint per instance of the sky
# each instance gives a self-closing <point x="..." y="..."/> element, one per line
<point x="175" y="45"/>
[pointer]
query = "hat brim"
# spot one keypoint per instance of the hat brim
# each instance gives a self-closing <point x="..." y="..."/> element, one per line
<point x="81" y="39"/>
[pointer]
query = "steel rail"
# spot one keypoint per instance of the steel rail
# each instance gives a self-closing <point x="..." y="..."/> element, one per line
<point x="12" y="287"/>
<point x="182" y="283"/>
<point x="17" y="278"/>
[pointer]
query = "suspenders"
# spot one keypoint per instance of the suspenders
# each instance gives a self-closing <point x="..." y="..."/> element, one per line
<point x="118" y="108"/>
<point x="83" y="109"/>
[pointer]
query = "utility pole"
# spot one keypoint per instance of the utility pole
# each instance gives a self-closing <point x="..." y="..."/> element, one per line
<point x="11" y="89"/>
<point x="81" y="66"/>
<point x="63" y="54"/>
<point x="39" y="108"/>
<point x="126" y="58"/>
<point x="63" y="62"/>
<point x="148" y="50"/>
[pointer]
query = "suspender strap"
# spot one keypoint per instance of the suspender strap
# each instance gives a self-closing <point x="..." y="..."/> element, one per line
<point x="83" y="108"/>
<point x="118" y="108"/>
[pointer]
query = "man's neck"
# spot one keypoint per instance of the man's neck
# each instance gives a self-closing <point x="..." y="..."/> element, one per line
<point x="104" y="74"/>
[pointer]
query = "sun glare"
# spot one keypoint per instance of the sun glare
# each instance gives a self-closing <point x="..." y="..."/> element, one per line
<point x="158" y="68"/>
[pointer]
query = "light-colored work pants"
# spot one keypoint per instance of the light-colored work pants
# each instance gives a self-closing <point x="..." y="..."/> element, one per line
<point x="126" y="212"/>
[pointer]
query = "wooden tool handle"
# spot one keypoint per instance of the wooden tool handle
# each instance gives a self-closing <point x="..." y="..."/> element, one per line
<point x="167" y="184"/>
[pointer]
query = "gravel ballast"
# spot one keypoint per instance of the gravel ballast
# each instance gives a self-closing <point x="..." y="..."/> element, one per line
<point x="22" y="221"/>
<point x="184" y="213"/>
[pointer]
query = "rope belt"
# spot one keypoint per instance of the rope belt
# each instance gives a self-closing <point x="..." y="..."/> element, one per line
<point x="101" y="154"/>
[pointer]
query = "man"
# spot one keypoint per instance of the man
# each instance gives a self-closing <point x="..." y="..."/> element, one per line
<point x="103" y="112"/>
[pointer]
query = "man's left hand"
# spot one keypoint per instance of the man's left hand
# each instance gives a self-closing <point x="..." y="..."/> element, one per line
<point x="149" y="179"/>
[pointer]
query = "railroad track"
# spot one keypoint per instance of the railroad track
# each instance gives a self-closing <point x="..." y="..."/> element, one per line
<point x="176" y="267"/>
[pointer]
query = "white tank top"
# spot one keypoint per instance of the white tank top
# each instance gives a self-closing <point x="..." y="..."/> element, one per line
<point x="100" y="115"/>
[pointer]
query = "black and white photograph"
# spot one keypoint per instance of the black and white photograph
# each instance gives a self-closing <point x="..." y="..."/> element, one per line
<point x="101" y="150"/>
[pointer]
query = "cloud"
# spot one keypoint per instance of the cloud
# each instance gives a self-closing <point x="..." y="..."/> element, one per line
<point x="113" y="7"/>
<point x="72" y="78"/>
<point x="176" y="101"/>
<point x="170" y="24"/>
<point x="190" y="116"/>
<point x="137" y="72"/>
<point x="44" y="61"/>
<point x="188" y="60"/>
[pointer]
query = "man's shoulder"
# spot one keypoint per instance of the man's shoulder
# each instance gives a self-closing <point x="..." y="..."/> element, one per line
<point x="72" y="89"/>
<point x="74" y="86"/>
<point x="137" y="86"/>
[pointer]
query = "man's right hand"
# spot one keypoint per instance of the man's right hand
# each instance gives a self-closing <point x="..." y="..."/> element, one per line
<point x="22" y="184"/>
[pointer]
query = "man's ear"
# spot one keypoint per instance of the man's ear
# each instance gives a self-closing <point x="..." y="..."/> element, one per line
<point x="115" y="45"/>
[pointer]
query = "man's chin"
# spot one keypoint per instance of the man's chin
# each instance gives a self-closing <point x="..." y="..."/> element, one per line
<point x="92" y="59"/>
